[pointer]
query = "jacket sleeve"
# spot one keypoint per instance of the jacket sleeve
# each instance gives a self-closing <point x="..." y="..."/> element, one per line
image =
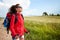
<point x="12" y="25"/>
<point x="25" y="30"/>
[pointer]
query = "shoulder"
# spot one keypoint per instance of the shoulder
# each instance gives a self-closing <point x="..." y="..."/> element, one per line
<point x="13" y="15"/>
<point x="8" y="15"/>
<point x="22" y="15"/>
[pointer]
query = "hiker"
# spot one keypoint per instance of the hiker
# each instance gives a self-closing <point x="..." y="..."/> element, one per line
<point x="16" y="22"/>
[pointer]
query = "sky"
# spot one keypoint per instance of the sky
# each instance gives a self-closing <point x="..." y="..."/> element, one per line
<point x="31" y="7"/>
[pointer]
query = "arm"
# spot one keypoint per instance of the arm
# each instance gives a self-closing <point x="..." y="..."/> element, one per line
<point x="24" y="27"/>
<point x="12" y="25"/>
<point x="25" y="30"/>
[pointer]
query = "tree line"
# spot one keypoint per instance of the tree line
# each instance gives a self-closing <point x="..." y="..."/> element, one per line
<point x="46" y="14"/>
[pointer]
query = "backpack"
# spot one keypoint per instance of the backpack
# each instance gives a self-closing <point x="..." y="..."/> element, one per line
<point x="6" y="23"/>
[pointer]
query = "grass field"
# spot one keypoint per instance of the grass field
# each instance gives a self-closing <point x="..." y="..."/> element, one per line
<point x="40" y="27"/>
<point x="43" y="27"/>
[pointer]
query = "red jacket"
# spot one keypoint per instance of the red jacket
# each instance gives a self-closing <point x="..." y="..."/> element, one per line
<point x="18" y="27"/>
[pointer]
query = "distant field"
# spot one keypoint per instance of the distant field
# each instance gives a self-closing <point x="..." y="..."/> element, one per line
<point x="43" y="27"/>
<point x="44" y="19"/>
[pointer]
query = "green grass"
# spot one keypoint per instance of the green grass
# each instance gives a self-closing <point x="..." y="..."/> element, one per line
<point x="43" y="30"/>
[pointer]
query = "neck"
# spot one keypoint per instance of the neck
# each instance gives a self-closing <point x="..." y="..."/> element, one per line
<point x="18" y="12"/>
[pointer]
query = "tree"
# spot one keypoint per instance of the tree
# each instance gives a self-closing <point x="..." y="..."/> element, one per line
<point x="45" y="14"/>
<point x="58" y="14"/>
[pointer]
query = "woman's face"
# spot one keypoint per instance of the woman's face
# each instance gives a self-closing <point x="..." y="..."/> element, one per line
<point x="19" y="9"/>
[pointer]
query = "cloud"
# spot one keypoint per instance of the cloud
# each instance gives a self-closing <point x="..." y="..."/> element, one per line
<point x="2" y="4"/>
<point x="24" y="3"/>
<point x="5" y="5"/>
<point x="33" y="12"/>
<point x="39" y="12"/>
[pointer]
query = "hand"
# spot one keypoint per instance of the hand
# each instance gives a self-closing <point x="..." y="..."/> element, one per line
<point x="28" y="33"/>
<point x="16" y="37"/>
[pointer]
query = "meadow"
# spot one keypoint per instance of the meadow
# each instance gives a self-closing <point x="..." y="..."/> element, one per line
<point x="43" y="27"/>
<point x="40" y="28"/>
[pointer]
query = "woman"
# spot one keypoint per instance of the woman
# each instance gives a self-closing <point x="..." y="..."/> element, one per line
<point x="16" y="22"/>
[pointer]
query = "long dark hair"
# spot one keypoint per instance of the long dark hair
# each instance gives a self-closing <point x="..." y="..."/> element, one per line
<point x="12" y="10"/>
